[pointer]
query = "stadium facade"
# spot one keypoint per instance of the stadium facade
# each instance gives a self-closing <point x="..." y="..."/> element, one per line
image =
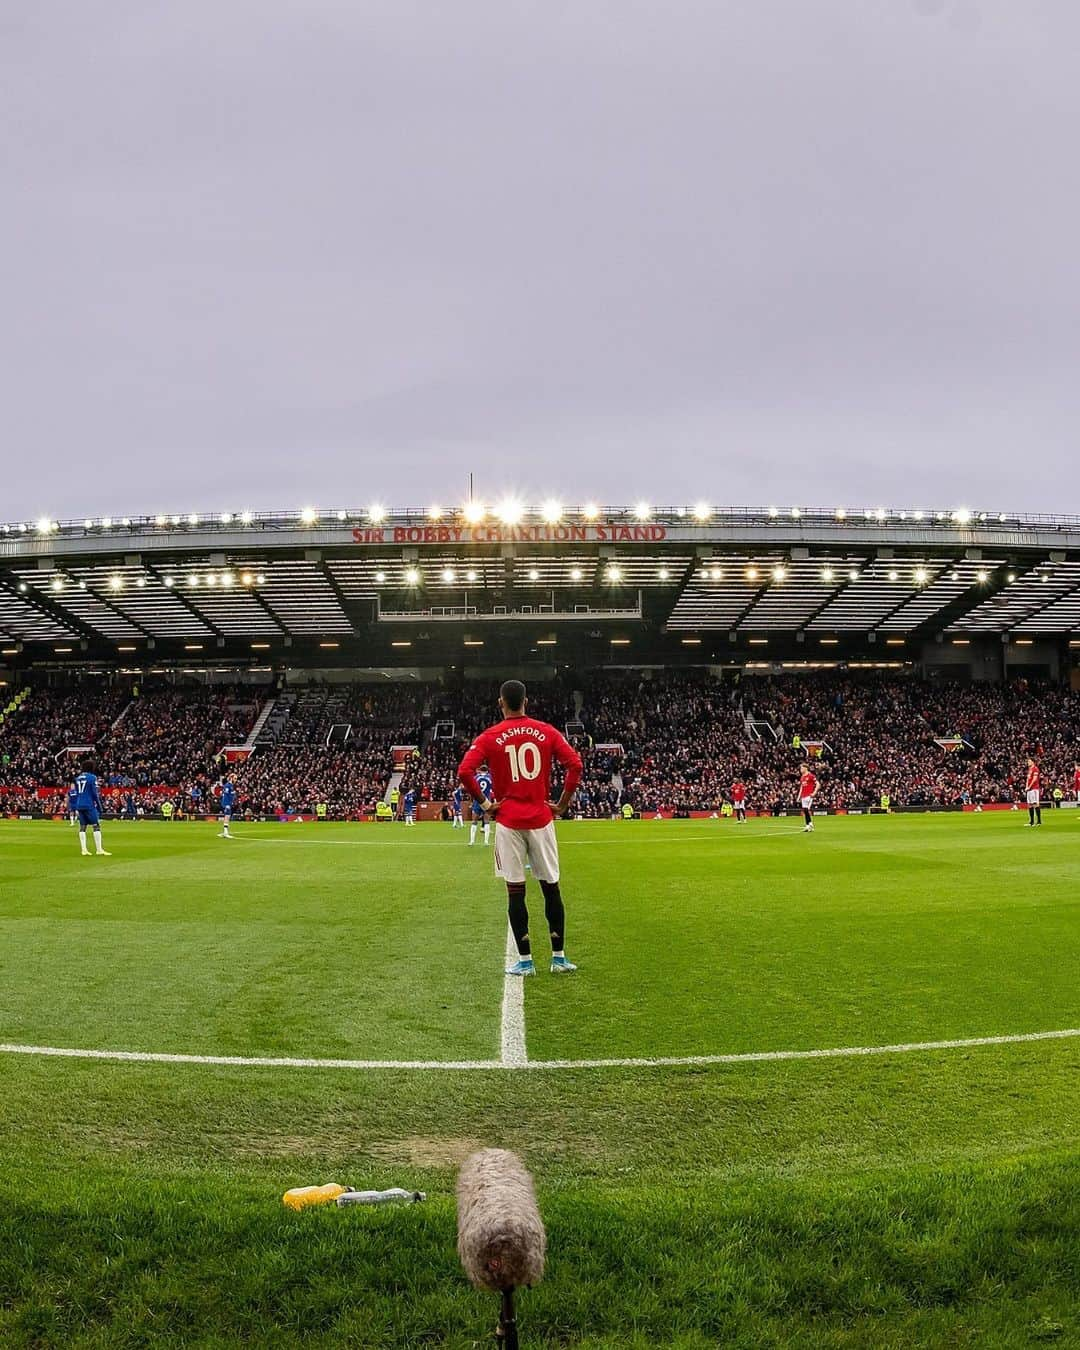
<point x="964" y="593"/>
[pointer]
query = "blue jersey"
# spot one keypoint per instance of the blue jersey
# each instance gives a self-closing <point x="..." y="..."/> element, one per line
<point x="410" y="803"/>
<point x="73" y="797"/>
<point x="228" y="797"/>
<point x="459" y="797"/>
<point x="86" y="792"/>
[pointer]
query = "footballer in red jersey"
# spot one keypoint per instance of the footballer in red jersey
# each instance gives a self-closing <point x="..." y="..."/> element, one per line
<point x="808" y="786"/>
<point x="1034" y="793"/>
<point x="738" y="799"/>
<point x="1076" y="781"/>
<point x="518" y="752"/>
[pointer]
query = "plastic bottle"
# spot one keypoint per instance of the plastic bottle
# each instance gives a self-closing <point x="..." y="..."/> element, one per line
<point x="394" y="1196"/>
<point x="302" y="1197"/>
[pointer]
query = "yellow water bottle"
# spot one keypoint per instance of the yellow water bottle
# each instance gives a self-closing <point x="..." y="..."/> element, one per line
<point x="302" y="1197"/>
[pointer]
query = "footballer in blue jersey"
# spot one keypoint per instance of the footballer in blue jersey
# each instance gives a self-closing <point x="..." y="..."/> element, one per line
<point x="478" y="817"/>
<point x="88" y="807"/>
<point x="409" y="802"/>
<point x="228" y="806"/>
<point x="458" y="804"/>
<point x="73" y="814"/>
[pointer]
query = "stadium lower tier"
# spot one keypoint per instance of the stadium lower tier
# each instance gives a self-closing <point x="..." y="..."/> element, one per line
<point x="652" y="742"/>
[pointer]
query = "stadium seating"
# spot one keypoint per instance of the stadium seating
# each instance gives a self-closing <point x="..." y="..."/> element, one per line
<point x="670" y="741"/>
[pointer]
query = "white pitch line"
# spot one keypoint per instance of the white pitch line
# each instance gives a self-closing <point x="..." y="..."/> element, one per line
<point x="512" y="1026"/>
<point x="662" y="1062"/>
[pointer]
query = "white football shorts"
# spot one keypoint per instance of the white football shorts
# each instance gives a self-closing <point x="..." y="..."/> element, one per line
<point x="807" y="803"/>
<point x="1033" y="797"/>
<point x="515" y="848"/>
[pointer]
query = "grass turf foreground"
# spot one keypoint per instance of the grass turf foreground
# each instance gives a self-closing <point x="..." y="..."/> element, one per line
<point x="930" y="1198"/>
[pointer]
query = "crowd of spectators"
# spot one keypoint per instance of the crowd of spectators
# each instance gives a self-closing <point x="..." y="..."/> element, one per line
<point x="653" y="740"/>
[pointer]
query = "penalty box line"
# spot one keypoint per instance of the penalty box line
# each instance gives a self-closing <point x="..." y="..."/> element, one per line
<point x="658" y="1062"/>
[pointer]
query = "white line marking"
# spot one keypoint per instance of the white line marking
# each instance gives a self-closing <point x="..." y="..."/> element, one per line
<point x="751" y="1057"/>
<point x="512" y="1035"/>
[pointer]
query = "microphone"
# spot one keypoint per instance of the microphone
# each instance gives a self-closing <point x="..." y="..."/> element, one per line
<point x="501" y="1239"/>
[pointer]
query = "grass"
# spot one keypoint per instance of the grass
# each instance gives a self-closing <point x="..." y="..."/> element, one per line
<point x="930" y="1198"/>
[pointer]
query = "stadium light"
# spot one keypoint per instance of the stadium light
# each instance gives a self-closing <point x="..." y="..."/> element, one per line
<point x="106" y="523"/>
<point x="192" y="580"/>
<point x="88" y="524"/>
<point x="376" y="513"/>
<point x="193" y="519"/>
<point x="894" y="575"/>
<point x="435" y="512"/>
<point x="510" y="511"/>
<point x="551" y="511"/>
<point x="211" y="580"/>
<point x="470" y="575"/>
<point x="773" y="512"/>
<point x="260" y="580"/>
<point x="796" y="512"/>
<point x="751" y="574"/>
<point x="778" y="573"/>
<point x="226" y="579"/>
<point x="702" y="511"/>
<point x="962" y="516"/>
<point x="917" y="515"/>
<point x="246" y="517"/>
<point x="308" y="516"/>
<point x="826" y="574"/>
<point x="22" y="587"/>
<point x="643" y="511"/>
<point x="590" y="511"/>
<point x="982" y="575"/>
<point x="880" y="513"/>
<point x="226" y="517"/>
<point x="160" y="521"/>
<point x="175" y="520"/>
<point x="663" y="574"/>
<point x="534" y="575"/>
<point x="613" y="573"/>
<point x="45" y="525"/>
<point x="341" y="515"/>
<point x="954" y="575"/>
<point x="58" y="583"/>
<point x="449" y="574"/>
<point x="246" y="579"/>
<point x="412" y="576"/>
<point x="920" y="576"/>
<point x="1046" y="576"/>
<point x="1001" y="518"/>
<point x="575" y="574"/>
<point x="168" y="582"/>
<point x="717" y="574"/>
<point x="841" y="514"/>
<point x="82" y="585"/>
<point x="380" y="577"/>
<point x="115" y="582"/>
<point x="1011" y="576"/>
<point x="473" y="512"/>
<point x="141" y="583"/>
<point x="853" y="574"/>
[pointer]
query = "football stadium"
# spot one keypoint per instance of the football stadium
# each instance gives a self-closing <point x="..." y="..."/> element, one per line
<point x="808" y="1076"/>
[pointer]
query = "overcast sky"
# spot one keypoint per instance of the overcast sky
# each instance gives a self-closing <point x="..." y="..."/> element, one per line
<point x="262" y="253"/>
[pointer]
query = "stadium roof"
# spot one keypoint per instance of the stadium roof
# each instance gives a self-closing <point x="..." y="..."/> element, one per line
<point x="422" y="586"/>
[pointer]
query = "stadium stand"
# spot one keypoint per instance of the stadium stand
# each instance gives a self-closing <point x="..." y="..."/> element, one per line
<point x="660" y="741"/>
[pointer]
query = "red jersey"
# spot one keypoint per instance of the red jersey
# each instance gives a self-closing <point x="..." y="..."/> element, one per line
<point x="738" y="794"/>
<point x="1076" y="780"/>
<point x="807" y="784"/>
<point x="1034" y="781"/>
<point x="518" y="753"/>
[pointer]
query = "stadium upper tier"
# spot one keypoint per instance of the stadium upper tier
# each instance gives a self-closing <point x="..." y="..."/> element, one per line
<point x="415" y="586"/>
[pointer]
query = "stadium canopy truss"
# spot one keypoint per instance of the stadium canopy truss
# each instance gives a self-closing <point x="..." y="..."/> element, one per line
<point x="426" y="587"/>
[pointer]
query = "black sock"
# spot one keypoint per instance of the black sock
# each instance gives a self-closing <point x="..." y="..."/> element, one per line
<point x="519" y="916"/>
<point x="555" y="913"/>
<point x="806" y="815"/>
<point x="1031" y="815"/>
<point x="1038" y="815"/>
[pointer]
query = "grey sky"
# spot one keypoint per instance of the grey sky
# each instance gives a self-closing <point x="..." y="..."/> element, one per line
<point x="262" y="253"/>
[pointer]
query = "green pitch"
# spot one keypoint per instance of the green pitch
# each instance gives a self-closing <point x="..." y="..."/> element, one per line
<point x="926" y="1197"/>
